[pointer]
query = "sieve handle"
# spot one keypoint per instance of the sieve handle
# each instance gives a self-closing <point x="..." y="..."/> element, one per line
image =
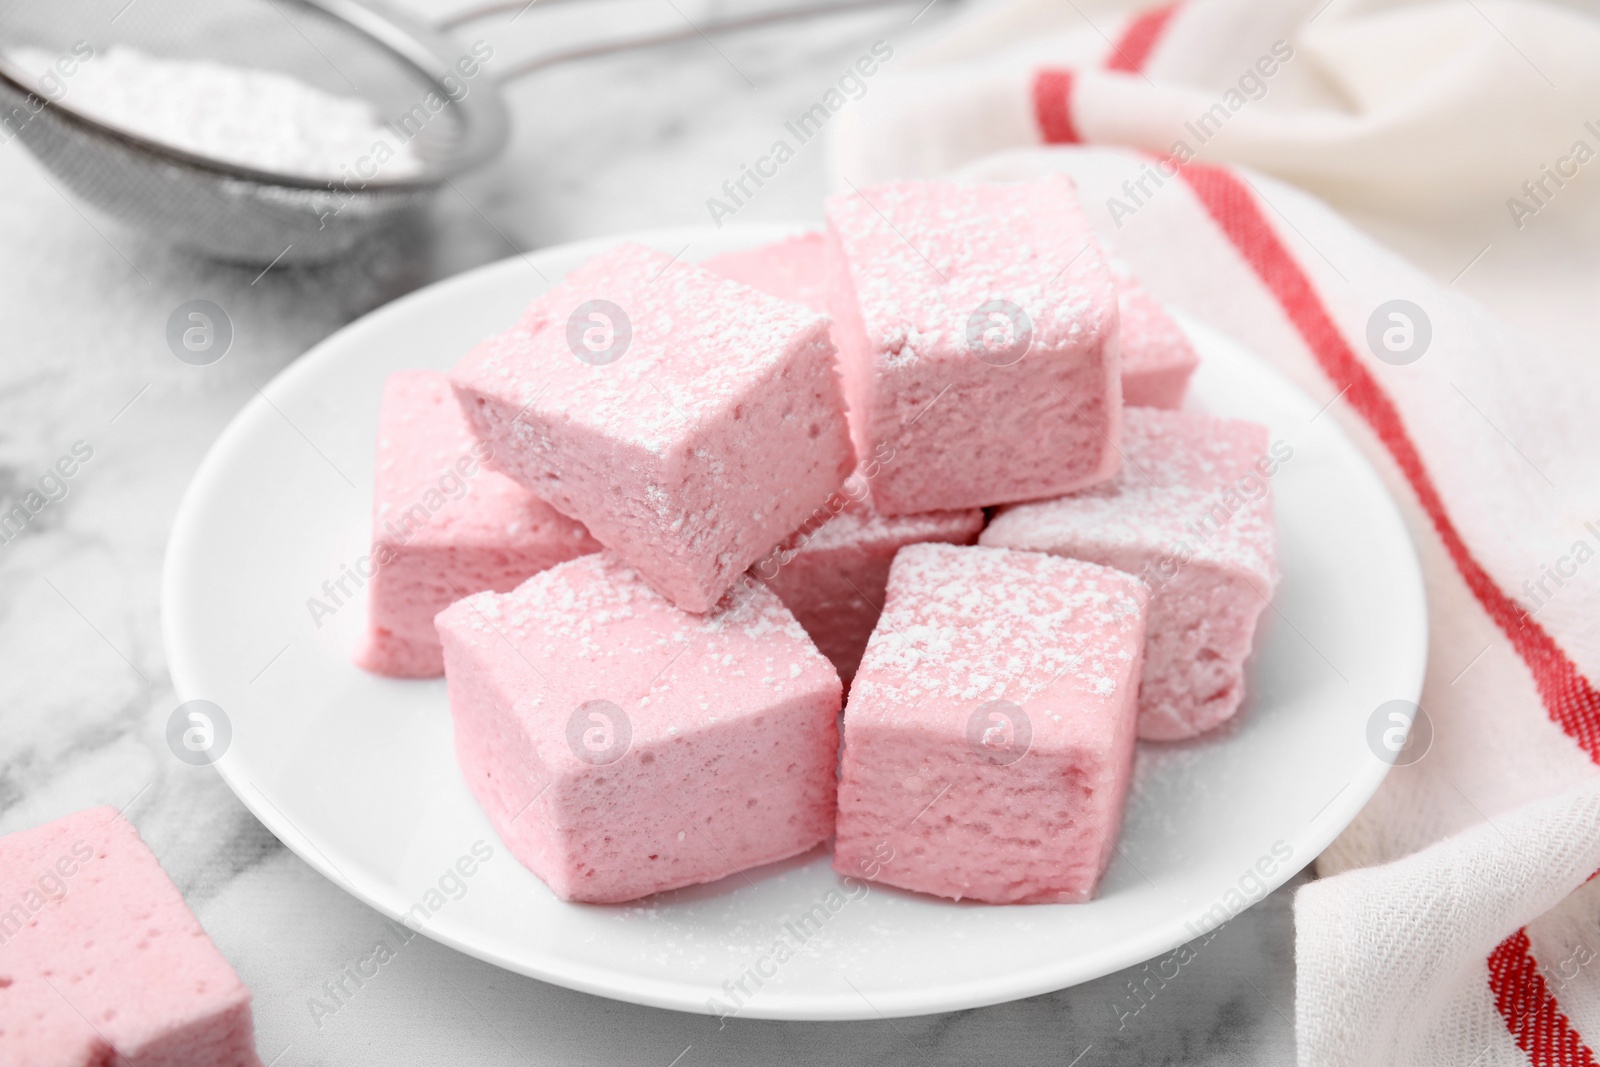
<point x="628" y="44"/>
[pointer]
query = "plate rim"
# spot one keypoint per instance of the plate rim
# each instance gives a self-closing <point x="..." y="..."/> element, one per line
<point x="589" y="978"/>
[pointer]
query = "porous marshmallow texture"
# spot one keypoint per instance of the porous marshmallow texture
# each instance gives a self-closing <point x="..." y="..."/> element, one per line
<point x="102" y="963"/>
<point x="1191" y="514"/>
<point x="989" y="737"/>
<point x="444" y="526"/>
<point x="690" y="422"/>
<point x="977" y="333"/>
<point x="622" y="746"/>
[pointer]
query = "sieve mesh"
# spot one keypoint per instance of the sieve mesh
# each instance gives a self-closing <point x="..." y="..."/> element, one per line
<point x="402" y="68"/>
<point x="416" y="79"/>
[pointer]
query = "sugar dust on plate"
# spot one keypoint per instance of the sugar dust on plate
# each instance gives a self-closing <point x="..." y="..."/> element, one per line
<point x="249" y="117"/>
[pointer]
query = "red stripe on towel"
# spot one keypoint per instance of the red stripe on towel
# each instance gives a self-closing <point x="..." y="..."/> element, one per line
<point x="1569" y="698"/>
<point x="1052" y="86"/>
<point x="1052" y="107"/>
<point x="1132" y="51"/>
<point x="1531" y="1011"/>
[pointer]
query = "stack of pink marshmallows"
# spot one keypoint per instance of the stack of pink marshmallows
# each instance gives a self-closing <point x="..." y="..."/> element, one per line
<point x="652" y="532"/>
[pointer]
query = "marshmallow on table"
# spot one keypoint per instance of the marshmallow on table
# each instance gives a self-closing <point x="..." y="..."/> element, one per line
<point x="793" y="269"/>
<point x="833" y="575"/>
<point x="101" y="962"/>
<point x="989" y="736"/>
<point x="1157" y="358"/>
<point x="1191" y="514"/>
<point x="691" y="423"/>
<point x="622" y="746"/>
<point x="977" y="334"/>
<point x="443" y="526"/>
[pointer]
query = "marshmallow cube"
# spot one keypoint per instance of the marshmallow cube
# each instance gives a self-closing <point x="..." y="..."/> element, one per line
<point x="833" y="576"/>
<point x="443" y="526"/>
<point x="977" y="334"/>
<point x="1191" y="514"/>
<point x="989" y="736"/>
<point x="691" y="423"/>
<point x="101" y="961"/>
<point x="622" y="746"/>
<point x="1157" y="358"/>
<point x="794" y="269"/>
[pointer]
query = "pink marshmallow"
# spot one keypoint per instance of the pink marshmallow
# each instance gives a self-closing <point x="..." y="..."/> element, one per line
<point x="976" y="327"/>
<point x="1157" y="358"/>
<point x="622" y="746"/>
<point x="1191" y="514"/>
<point x="989" y="737"/>
<point x="833" y="576"/>
<point x="101" y="962"/>
<point x="691" y="423"/>
<point x="794" y="269"/>
<point x="443" y="526"/>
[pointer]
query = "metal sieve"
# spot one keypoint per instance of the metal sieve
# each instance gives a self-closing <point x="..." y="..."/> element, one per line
<point x="346" y="47"/>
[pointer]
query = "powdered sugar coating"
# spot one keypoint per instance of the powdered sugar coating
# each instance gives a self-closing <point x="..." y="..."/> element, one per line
<point x="862" y="523"/>
<point x="1157" y="356"/>
<point x="698" y="342"/>
<point x="976" y="624"/>
<point x="716" y="428"/>
<point x="922" y="255"/>
<point x="989" y="734"/>
<point x="1191" y="514"/>
<point x="922" y="276"/>
<point x="583" y="619"/>
<point x="1179" y="468"/>
<point x="730" y="720"/>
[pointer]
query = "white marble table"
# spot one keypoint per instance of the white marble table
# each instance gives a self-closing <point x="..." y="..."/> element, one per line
<point x="84" y="692"/>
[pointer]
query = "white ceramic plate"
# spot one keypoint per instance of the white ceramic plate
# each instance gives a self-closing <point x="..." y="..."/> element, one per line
<point x="357" y="774"/>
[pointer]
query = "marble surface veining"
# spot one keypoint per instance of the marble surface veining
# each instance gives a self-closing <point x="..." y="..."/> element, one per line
<point x="617" y="144"/>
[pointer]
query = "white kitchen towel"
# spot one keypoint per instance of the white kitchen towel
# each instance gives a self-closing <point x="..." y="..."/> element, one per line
<point x="1455" y="921"/>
